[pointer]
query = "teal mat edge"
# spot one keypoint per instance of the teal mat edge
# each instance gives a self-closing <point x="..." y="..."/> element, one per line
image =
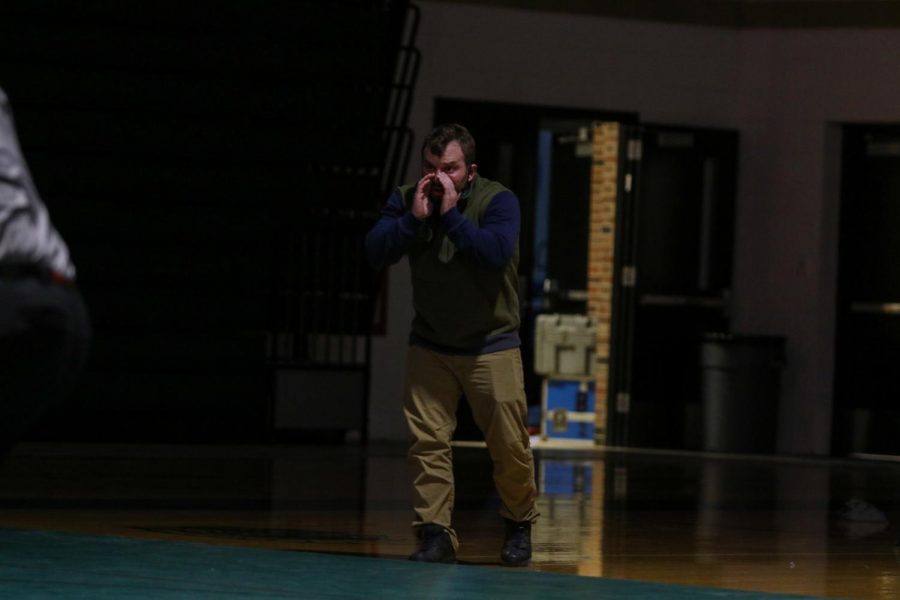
<point x="41" y="564"/>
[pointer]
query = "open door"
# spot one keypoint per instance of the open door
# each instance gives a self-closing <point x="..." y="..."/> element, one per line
<point x="539" y="152"/>
<point x="659" y="218"/>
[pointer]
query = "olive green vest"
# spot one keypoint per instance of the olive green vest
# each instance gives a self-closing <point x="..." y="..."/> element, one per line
<point x="459" y="305"/>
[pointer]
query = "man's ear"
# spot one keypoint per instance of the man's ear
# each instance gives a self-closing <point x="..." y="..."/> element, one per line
<point x="473" y="168"/>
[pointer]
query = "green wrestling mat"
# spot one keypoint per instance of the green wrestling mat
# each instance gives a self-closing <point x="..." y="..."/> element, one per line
<point x="40" y="564"/>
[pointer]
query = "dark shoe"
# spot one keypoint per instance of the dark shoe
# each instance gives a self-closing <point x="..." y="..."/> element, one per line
<point x="435" y="546"/>
<point x="517" y="547"/>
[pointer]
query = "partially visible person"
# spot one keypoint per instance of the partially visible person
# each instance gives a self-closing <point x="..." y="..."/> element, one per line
<point x="44" y="330"/>
<point x="461" y="234"/>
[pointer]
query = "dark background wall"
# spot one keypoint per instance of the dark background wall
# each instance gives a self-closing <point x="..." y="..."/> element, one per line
<point x="211" y="165"/>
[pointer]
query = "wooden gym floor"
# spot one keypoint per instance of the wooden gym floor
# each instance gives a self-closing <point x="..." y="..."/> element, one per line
<point x="88" y="521"/>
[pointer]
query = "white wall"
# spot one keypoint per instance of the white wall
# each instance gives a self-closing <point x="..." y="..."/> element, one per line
<point x="779" y="88"/>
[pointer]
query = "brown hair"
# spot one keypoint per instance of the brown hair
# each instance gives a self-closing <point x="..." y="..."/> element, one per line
<point x="440" y="136"/>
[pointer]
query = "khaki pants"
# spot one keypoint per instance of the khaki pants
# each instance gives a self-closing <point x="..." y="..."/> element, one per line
<point x="494" y="387"/>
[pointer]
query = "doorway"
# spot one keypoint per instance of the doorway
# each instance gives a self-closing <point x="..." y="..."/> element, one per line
<point x="867" y="344"/>
<point x="677" y="231"/>
<point x="508" y="138"/>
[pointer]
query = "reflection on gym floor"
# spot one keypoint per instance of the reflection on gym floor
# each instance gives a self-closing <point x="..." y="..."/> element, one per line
<point x="801" y="526"/>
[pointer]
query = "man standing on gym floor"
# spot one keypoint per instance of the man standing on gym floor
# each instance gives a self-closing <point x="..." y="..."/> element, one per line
<point x="460" y="232"/>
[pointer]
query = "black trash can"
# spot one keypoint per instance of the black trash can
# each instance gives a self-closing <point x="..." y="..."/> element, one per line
<point x="740" y="387"/>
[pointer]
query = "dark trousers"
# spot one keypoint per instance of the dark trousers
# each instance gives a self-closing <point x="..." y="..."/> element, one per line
<point x="44" y="340"/>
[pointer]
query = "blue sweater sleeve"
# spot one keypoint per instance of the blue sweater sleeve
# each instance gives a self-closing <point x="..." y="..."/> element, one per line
<point x="389" y="238"/>
<point x="492" y="244"/>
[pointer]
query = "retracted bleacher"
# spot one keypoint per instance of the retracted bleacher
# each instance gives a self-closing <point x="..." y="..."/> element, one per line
<point x="212" y="165"/>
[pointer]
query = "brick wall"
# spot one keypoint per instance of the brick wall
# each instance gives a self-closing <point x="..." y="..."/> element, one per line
<point x="601" y="258"/>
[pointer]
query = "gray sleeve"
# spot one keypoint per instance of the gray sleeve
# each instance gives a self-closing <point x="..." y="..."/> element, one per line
<point x="26" y="233"/>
